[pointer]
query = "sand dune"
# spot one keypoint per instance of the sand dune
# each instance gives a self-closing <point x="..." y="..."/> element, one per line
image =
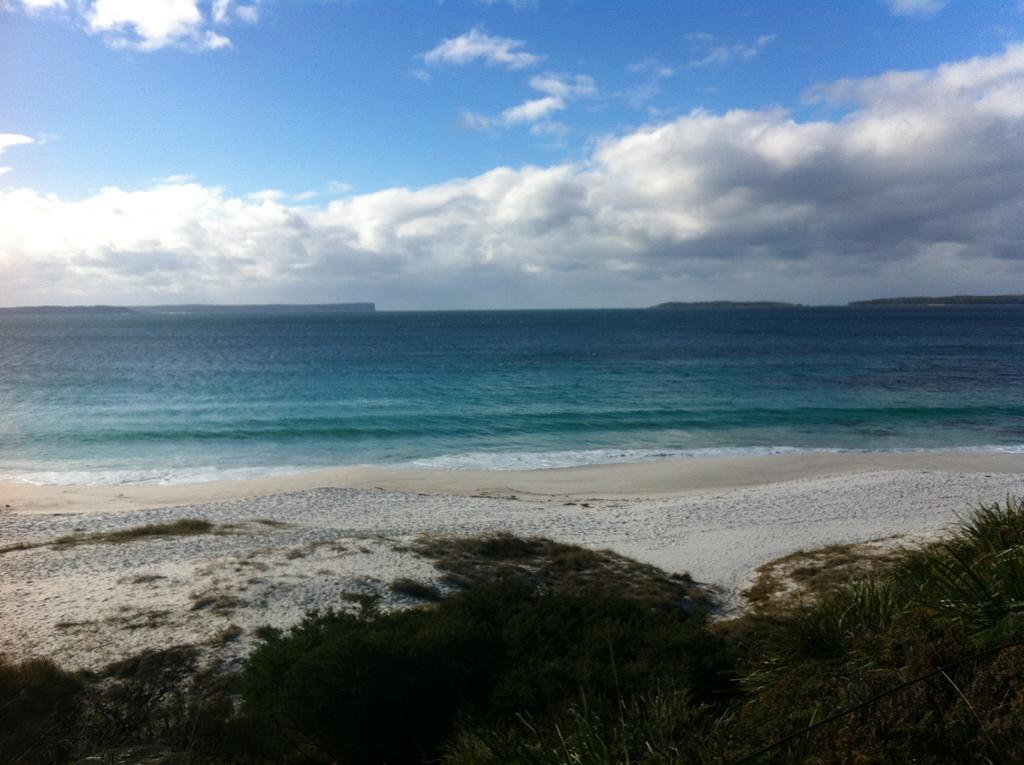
<point x="280" y="547"/>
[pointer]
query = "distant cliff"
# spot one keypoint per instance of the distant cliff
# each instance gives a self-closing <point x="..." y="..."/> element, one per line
<point x="725" y="304"/>
<point x="950" y="300"/>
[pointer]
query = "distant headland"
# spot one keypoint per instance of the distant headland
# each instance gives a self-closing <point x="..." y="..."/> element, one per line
<point x="950" y="300"/>
<point x="724" y="304"/>
<point x="191" y="308"/>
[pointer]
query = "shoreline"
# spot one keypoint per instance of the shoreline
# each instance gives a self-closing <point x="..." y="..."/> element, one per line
<point x="633" y="480"/>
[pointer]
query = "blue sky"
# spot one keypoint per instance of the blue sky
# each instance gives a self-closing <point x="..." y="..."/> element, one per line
<point x="248" y="120"/>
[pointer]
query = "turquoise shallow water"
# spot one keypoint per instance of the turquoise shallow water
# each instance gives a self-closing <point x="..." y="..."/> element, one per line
<point x="169" y="398"/>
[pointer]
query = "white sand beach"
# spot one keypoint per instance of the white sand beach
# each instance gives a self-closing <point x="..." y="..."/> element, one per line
<point x="283" y="545"/>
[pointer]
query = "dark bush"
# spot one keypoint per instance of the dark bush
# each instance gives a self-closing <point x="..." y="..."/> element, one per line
<point x="391" y="688"/>
<point x="38" y="710"/>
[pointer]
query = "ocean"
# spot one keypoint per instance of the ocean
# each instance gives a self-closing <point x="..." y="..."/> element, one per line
<point x="171" y="398"/>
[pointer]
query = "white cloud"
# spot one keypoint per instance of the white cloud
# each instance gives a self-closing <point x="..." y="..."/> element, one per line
<point x="226" y="11"/>
<point x="33" y="6"/>
<point x="220" y="11"/>
<point x="560" y="88"/>
<point x="916" y="188"/>
<point x="250" y="14"/>
<point x="532" y="110"/>
<point x="267" y="195"/>
<point x="550" y="128"/>
<point x="653" y="66"/>
<point x="477" y="121"/>
<point x="638" y="95"/>
<point x="11" y="139"/>
<point x="915" y="7"/>
<point x="726" y="54"/>
<point x="519" y="5"/>
<point x="420" y="74"/>
<point x="149" y="25"/>
<point x="477" y="45"/>
<point x="338" y="187"/>
<point x="564" y="86"/>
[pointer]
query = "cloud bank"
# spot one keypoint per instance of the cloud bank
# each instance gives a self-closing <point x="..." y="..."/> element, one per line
<point x="916" y="187"/>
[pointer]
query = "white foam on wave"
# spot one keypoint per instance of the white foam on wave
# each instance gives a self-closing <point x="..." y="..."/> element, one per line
<point x="144" y="477"/>
<point x="480" y="460"/>
<point x="578" y="458"/>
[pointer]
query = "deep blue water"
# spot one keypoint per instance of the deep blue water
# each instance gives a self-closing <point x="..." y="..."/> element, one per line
<point x="185" y="397"/>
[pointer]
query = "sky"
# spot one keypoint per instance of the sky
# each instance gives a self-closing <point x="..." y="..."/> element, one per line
<point x="509" y="153"/>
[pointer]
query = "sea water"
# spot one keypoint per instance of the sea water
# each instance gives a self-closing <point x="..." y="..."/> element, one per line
<point x="184" y="397"/>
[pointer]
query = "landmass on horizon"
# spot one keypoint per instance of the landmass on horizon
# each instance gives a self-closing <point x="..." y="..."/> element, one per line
<point x="674" y="305"/>
<point x="285" y="308"/>
<point x="194" y="308"/>
<point x="948" y="300"/>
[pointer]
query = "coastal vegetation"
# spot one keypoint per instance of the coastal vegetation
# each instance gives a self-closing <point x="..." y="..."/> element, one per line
<point x="545" y="653"/>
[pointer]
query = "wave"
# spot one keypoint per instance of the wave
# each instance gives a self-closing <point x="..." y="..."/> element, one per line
<point x="393" y="427"/>
<point x="479" y="460"/>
